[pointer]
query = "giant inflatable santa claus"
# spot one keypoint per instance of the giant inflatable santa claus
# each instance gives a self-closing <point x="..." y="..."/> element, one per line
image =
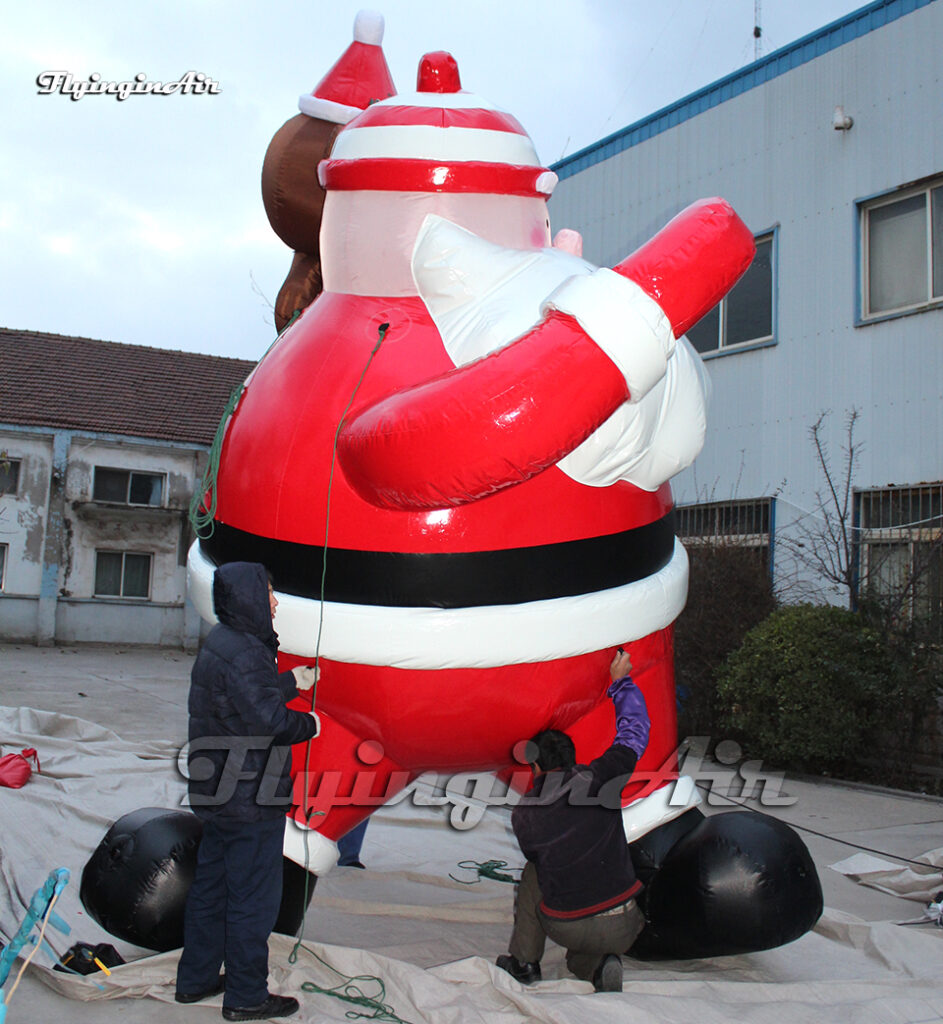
<point x="455" y="464"/>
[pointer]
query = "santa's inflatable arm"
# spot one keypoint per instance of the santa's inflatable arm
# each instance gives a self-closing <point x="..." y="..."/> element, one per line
<point x="605" y="338"/>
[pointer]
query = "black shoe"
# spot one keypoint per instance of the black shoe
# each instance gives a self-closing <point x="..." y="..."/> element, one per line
<point x="274" y="1006"/>
<point x="526" y="974"/>
<point x="608" y="976"/>
<point x="195" y="997"/>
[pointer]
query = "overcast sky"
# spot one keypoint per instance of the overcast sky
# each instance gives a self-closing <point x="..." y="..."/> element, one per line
<point x="142" y="221"/>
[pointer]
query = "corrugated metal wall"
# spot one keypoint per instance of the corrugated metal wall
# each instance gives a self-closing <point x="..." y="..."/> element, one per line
<point x="772" y="152"/>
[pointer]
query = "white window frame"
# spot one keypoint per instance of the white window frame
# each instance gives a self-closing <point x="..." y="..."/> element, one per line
<point x="122" y="595"/>
<point x="723" y="347"/>
<point x="865" y="208"/>
<point x="131" y="474"/>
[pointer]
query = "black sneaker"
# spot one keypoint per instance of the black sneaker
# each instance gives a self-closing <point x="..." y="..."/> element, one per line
<point x="195" y="997"/>
<point x="274" y="1006"/>
<point x="608" y="976"/>
<point x="526" y="974"/>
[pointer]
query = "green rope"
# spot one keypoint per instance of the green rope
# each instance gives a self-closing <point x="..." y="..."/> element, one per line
<point x="381" y="334"/>
<point x="202" y="516"/>
<point x="486" y="869"/>
<point x="349" y="992"/>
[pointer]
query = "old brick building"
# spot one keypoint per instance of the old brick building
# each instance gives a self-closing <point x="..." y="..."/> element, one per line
<point x="101" y="446"/>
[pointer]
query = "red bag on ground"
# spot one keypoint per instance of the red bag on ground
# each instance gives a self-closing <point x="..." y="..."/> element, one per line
<point x="15" y="769"/>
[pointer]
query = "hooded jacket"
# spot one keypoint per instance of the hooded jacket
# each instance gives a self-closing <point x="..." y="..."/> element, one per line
<point x="240" y="730"/>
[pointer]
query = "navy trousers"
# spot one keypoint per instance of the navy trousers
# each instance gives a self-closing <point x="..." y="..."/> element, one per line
<point x="348" y="846"/>
<point x="231" y="909"/>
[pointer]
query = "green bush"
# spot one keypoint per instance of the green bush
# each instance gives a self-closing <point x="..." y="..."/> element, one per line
<point x="709" y="628"/>
<point x="811" y="688"/>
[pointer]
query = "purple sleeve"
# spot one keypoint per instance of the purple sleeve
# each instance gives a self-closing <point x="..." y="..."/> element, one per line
<point x="632" y="721"/>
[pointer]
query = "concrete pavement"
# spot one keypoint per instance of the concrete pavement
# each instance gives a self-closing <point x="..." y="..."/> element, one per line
<point x="141" y="694"/>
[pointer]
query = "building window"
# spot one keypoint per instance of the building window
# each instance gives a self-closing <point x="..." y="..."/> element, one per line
<point x="9" y="475"/>
<point x="747" y="523"/>
<point x="900" y="551"/>
<point x="128" y="487"/>
<point x="745" y="316"/>
<point x="122" y="574"/>
<point x="3" y="566"/>
<point x="902" y="251"/>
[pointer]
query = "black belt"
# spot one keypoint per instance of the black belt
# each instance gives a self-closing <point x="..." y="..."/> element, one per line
<point x="452" y="580"/>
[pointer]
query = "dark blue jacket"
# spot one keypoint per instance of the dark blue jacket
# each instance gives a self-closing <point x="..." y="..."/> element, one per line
<point x="240" y="730"/>
<point x="569" y="824"/>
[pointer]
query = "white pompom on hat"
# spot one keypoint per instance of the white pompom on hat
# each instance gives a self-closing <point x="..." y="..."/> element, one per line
<point x="358" y="78"/>
<point x="437" y="139"/>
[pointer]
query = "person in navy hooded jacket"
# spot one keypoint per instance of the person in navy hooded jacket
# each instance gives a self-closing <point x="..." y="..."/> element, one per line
<point x="241" y="735"/>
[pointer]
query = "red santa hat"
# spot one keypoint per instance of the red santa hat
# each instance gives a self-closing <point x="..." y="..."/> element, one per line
<point x="360" y="76"/>
<point x="438" y="139"/>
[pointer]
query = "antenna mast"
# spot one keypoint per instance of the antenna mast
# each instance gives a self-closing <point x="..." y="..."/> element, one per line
<point x="757" y="30"/>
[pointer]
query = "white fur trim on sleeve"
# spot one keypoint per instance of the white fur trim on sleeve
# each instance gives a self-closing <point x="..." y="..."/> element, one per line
<point x="309" y="849"/>
<point x="667" y="803"/>
<point x="649" y="441"/>
<point x="625" y="323"/>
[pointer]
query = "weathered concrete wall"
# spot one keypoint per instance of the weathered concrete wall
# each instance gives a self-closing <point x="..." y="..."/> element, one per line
<point x="125" y="622"/>
<point x="18" y="618"/>
<point x="23" y="515"/>
<point x="54" y="528"/>
<point x="162" y="533"/>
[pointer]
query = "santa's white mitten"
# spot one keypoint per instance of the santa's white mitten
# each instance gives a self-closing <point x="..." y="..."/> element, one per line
<point x="305" y="676"/>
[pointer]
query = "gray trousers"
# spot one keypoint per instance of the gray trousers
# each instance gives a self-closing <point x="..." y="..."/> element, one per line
<point x="586" y="940"/>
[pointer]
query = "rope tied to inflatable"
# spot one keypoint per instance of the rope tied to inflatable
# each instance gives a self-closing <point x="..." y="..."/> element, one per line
<point x="349" y="992"/>
<point x="381" y="334"/>
<point x="485" y="869"/>
<point x="293" y="956"/>
<point x="202" y="516"/>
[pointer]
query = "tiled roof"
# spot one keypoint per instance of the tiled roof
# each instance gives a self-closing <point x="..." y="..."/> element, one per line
<point x="51" y="380"/>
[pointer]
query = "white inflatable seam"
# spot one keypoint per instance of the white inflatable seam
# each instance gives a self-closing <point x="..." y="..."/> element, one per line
<point x="625" y="323"/>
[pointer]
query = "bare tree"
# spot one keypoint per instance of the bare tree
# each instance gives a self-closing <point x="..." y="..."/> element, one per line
<point x="826" y="544"/>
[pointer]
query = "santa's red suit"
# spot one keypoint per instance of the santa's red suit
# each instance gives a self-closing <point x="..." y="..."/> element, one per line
<point x="455" y="464"/>
<point x="463" y="548"/>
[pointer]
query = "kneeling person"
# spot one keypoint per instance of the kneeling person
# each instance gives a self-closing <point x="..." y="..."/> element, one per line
<point x="578" y="887"/>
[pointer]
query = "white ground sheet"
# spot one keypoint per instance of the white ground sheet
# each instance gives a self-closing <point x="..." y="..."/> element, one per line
<point x="429" y="938"/>
<point x="922" y="882"/>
